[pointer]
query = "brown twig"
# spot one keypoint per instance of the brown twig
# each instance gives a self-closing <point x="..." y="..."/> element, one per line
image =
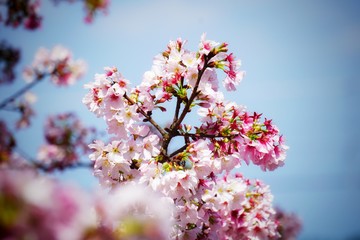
<point x="21" y="91"/>
<point x="148" y="117"/>
<point x="173" y="130"/>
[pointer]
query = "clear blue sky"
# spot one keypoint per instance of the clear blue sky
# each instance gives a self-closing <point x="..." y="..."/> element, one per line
<point x="302" y="60"/>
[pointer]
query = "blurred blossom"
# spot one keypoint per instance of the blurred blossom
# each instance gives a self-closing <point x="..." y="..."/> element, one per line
<point x="9" y="58"/>
<point x="35" y="207"/>
<point x="51" y="153"/>
<point x="289" y="224"/>
<point x="134" y="211"/>
<point x="58" y="63"/>
<point x="9" y="158"/>
<point x="91" y="7"/>
<point x="94" y="6"/>
<point x="66" y="140"/>
<point x="7" y="143"/>
<point x="22" y="12"/>
<point x="17" y="162"/>
<point x="26" y="110"/>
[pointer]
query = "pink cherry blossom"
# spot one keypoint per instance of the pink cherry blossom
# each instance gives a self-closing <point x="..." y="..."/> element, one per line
<point x="26" y="109"/>
<point x="289" y="224"/>
<point x="151" y="147"/>
<point x="66" y="139"/>
<point x="58" y="64"/>
<point x="24" y="13"/>
<point x="134" y="211"/>
<point x="209" y="202"/>
<point x="34" y="206"/>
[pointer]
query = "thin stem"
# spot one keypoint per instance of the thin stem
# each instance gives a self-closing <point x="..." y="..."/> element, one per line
<point x="178" y="102"/>
<point x="148" y="117"/>
<point x="173" y="131"/>
<point x="31" y="163"/>
<point x="204" y="135"/>
<point x="59" y="166"/>
<point x="177" y="110"/>
<point x="21" y="91"/>
<point x="194" y="93"/>
<point x="178" y="151"/>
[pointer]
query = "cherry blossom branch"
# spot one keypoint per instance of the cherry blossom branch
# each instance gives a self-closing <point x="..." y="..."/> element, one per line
<point x="51" y="167"/>
<point x="21" y="91"/>
<point x="199" y="135"/>
<point x="178" y="102"/>
<point x="28" y="162"/>
<point x="147" y="116"/>
<point x="178" y="151"/>
<point x="177" y="109"/>
<point x="204" y="135"/>
<point x="175" y="125"/>
<point x="193" y="94"/>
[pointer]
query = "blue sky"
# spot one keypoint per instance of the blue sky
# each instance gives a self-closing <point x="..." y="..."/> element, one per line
<point x="301" y="60"/>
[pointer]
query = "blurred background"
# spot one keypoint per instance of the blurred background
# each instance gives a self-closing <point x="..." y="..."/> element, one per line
<point x="302" y="61"/>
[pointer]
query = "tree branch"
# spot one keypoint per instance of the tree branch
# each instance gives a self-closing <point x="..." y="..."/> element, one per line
<point x="148" y="117"/>
<point x="21" y="91"/>
<point x="194" y="93"/>
<point x="177" y="109"/>
<point x="178" y="151"/>
<point x="204" y="135"/>
<point x="173" y="130"/>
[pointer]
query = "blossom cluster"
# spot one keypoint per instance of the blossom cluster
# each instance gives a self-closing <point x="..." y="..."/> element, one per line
<point x="24" y="12"/>
<point x="289" y="224"/>
<point x="91" y="7"/>
<point x="209" y="201"/>
<point x="9" y="58"/>
<point x="22" y="105"/>
<point x="9" y="158"/>
<point x="25" y="107"/>
<point x="66" y="140"/>
<point x="37" y="207"/>
<point x="7" y="143"/>
<point x="58" y="63"/>
<point x="239" y="135"/>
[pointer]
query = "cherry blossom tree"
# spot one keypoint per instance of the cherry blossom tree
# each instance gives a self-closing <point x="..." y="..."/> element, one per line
<point x="150" y="189"/>
<point x="210" y="200"/>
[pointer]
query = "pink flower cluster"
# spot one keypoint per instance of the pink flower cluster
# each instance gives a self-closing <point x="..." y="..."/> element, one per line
<point x="9" y="58"/>
<point x="209" y="203"/>
<point x="26" y="110"/>
<point x="289" y="224"/>
<point x="7" y="143"/>
<point x="238" y="135"/>
<point x="23" y="12"/>
<point x="91" y="7"/>
<point x="240" y="209"/>
<point x="66" y="140"/>
<point x="9" y="158"/>
<point x="36" y="207"/>
<point x="58" y="63"/>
